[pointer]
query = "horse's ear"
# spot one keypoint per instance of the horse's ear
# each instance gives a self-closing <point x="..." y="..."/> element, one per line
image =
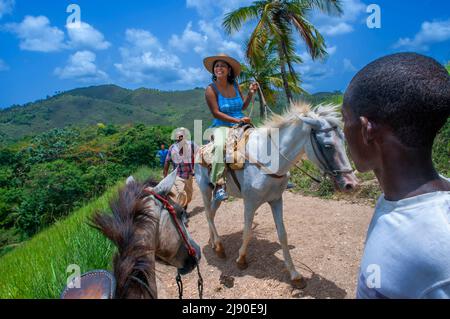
<point x="164" y="187"/>
<point x="314" y="123"/>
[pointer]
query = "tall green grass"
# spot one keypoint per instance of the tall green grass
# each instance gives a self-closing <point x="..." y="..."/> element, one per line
<point x="37" y="269"/>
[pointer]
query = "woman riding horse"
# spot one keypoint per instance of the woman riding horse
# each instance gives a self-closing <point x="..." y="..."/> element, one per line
<point x="226" y="103"/>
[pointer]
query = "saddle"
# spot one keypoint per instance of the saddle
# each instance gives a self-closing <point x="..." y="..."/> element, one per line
<point x="234" y="151"/>
<point x="97" y="284"/>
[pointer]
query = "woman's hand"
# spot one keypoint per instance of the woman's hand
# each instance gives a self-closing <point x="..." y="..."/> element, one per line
<point x="245" y="120"/>
<point x="253" y="87"/>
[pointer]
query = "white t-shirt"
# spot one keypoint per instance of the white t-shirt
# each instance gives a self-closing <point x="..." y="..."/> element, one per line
<point x="407" y="250"/>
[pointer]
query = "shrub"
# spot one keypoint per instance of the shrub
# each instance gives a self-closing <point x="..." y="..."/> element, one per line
<point x="441" y="150"/>
<point x="52" y="191"/>
<point x="50" y="146"/>
<point x="107" y="130"/>
<point x="139" y="145"/>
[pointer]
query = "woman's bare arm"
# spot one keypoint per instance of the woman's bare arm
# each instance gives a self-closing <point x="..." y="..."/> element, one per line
<point x="247" y="100"/>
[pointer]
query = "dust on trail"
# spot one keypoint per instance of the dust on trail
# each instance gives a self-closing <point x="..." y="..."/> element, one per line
<point x="325" y="238"/>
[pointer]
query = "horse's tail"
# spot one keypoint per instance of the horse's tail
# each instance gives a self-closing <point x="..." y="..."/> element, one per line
<point x="129" y="214"/>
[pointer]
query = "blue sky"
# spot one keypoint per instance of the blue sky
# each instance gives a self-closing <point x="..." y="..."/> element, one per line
<point x="161" y="44"/>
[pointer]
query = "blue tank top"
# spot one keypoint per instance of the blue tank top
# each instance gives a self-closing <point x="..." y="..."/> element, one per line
<point x="229" y="106"/>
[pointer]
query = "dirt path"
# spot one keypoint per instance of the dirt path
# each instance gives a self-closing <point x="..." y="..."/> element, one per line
<point x="325" y="237"/>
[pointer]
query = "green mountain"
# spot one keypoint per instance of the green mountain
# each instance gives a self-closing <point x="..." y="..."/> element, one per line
<point x="108" y="104"/>
<point x="111" y="104"/>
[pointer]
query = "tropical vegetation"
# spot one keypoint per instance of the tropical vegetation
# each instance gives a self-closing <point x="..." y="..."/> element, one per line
<point x="44" y="178"/>
<point x="276" y="23"/>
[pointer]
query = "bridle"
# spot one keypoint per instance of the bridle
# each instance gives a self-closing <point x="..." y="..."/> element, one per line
<point x="327" y="167"/>
<point x="142" y="283"/>
<point x="191" y="251"/>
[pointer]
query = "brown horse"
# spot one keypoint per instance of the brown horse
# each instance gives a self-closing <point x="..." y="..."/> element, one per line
<point x="145" y="225"/>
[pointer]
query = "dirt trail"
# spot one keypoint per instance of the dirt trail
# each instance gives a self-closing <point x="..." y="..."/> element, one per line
<point x="325" y="237"/>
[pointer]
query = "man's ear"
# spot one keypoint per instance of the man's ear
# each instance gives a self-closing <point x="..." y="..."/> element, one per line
<point x="367" y="130"/>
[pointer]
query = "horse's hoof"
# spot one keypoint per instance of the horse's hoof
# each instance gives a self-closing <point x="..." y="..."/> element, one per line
<point x="221" y="253"/>
<point x="242" y="265"/>
<point x="299" y="283"/>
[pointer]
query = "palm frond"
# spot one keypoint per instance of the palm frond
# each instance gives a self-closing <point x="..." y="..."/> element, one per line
<point x="314" y="40"/>
<point x="234" y="20"/>
<point x="330" y="7"/>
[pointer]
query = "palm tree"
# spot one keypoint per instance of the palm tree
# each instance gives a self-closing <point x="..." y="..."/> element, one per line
<point x="266" y="72"/>
<point x="277" y="20"/>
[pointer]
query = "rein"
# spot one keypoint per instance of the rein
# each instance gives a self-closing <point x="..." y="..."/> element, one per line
<point x="191" y="250"/>
<point x="267" y="108"/>
<point x="142" y="283"/>
<point x="295" y="164"/>
<point x="326" y="166"/>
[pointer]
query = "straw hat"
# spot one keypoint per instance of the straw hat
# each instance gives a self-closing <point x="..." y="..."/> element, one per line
<point x="181" y="131"/>
<point x="235" y="65"/>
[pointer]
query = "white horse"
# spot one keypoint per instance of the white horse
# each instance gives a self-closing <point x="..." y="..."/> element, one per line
<point x="316" y="132"/>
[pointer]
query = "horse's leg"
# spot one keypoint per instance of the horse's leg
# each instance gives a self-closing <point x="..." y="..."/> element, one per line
<point x="249" y="215"/>
<point x="210" y="210"/>
<point x="277" y="211"/>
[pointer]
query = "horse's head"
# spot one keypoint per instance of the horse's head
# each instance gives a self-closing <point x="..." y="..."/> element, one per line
<point x="326" y="149"/>
<point x="174" y="246"/>
<point x="146" y="225"/>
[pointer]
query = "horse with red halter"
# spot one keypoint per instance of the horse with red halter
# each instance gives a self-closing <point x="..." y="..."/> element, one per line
<point x="145" y="225"/>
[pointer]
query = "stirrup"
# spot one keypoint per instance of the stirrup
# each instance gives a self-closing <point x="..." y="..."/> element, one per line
<point x="221" y="195"/>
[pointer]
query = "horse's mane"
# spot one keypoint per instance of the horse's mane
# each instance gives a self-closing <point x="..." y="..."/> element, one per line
<point x="129" y="227"/>
<point x="328" y="112"/>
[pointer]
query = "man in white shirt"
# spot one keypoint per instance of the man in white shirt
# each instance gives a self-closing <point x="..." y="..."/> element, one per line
<point x="392" y="110"/>
<point x="181" y="154"/>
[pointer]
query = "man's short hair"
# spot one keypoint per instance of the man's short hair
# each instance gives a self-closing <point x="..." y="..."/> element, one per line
<point x="407" y="91"/>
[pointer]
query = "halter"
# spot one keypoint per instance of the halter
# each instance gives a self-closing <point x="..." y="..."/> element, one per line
<point x="326" y="167"/>
<point x="142" y="283"/>
<point x="191" y="250"/>
<point x="316" y="146"/>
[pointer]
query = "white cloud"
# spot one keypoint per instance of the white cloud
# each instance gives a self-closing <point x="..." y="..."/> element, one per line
<point x="3" y="66"/>
<point x="144" y="59"/>
<point x="348" y="66"/>
<point x="340" y="28"/>
<point x="331" y="50"/>
<point x="191" y="76"/>
<point x="81" y="67"/>
<point x="36" y="34"/>
<point x="208" y="40"/>
<point x="210" y="28"/>
<point x="141" y="40"/>
<point x="84" y="35"/>
<point x="332" y="26"/>
<point x="313" y="71"/>
<point x="217" y="42"/>
<point x="189" y="40"/>
<point x="6" y="7"/>
<point x="430" y="33"/>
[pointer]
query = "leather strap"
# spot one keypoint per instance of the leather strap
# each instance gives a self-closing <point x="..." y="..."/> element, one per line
<point x="235" y="179"/>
